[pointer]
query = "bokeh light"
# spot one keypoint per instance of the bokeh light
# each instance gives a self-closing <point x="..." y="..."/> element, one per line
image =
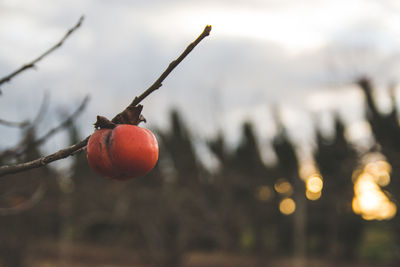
<point x="283" y="187"/>
<point x="314" y="183"/>
<point x="310" y="174"/>
<point x="369" y="200"/>
<point x="313" y="195"/>
<point x="307" y="169"/>
<point x="264" y="193"/>
<point x="287" y="206"/>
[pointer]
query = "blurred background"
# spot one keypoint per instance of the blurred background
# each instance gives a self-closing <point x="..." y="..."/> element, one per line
<point x="279" y="134"/>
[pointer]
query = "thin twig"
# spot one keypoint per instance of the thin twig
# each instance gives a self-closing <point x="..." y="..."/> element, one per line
<point x="71" y="150"/>
<point x="158" y="83"/>
<point x="23" y="146"/>
<point x="42" y="109"/>
<point x="28" y="129"/>
<point x="40" y="162"/>
<point x="14" y="124"/>
<point x="63" y="124"/>
<point x="35" y="61"/>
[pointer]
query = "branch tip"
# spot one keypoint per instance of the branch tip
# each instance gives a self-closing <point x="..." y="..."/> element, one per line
<point x="207" y="30"/>
<point x="32" y="64"/>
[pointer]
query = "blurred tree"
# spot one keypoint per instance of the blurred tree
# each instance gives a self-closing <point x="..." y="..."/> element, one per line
<point x="253" y="190"/>
<point x="291" y="227"/>
<point x="331" y="219"/>
<point x="228" y="222"/>
<point x="386" y="130"/>
<point x="178" y="145"/>
<point x="181" y="222"/>
<point x="29" y="209"/>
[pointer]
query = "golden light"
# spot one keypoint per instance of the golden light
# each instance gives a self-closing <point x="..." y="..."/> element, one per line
<point x="369" y="200"/>
<point x="283" y="187"/>
<point x="313" y="196"/>
<point x="356" y="206"/>
<point x="380" y="170"/>
<point x="310" y="174"/>
<point x="264" y="193"/>
<point x="306" y="170"/>
<point x="287" y="206"/>
<point x="314" y="183"/>
<point x="383" y="179"/>
<point x="389" y="210"/>
<point x="378" y="167"/>
<point x="364" y="184"/>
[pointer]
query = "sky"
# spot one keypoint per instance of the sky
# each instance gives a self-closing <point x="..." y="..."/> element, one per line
<point x="299" y="57"/>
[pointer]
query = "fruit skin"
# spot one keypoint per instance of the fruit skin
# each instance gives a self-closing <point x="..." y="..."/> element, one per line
<point x="122" y="153"/>
<point x="97" y="153"/>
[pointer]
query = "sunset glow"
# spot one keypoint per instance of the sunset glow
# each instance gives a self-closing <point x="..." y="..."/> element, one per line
<point x="314" y="182"/>
<point x="370" y="201"/>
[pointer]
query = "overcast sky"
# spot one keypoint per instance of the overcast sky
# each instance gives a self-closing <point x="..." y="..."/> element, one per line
<point x="298" y="55"/>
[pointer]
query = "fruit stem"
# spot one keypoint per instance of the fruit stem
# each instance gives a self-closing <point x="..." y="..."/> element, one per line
<point x="104" y="123"/>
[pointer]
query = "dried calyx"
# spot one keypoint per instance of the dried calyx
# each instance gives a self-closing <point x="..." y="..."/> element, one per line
<point x="131" y="115"/>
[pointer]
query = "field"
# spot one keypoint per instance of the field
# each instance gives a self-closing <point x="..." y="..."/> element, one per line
<point x="89" y="255"/>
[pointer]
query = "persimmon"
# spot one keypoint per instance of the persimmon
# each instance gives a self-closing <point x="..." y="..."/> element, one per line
<point x="122" y="153"/>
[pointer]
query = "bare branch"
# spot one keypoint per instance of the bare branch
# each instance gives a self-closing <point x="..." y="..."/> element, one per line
<point x="35" y="61"/>
<point x="40" y="162"/>
<point x="78" y="147"/>
<point x="38" y="118"/>
<point x="14" y="150"/>
<point x="22" y="147"/>
<point x="158" y="83"/>
<point x="26" y="139"/>
<point x="14" y="124"/>
<point x="42" y="109"/>
<point x="63" y="124"/>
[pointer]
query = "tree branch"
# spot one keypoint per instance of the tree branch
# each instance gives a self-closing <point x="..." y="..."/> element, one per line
<point x="23" y="146"/>
<point x="71" y="150"/>
<point x="40" y="162"/>
<point x="63" y="124"/>
<point x="158" y="83"/>
<point x="28" y="128"/>
<point x="26" y="123"/>
<point x="42" y="109"/>
<point x="14" y="124"/>
<point x="35" y="61"/>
